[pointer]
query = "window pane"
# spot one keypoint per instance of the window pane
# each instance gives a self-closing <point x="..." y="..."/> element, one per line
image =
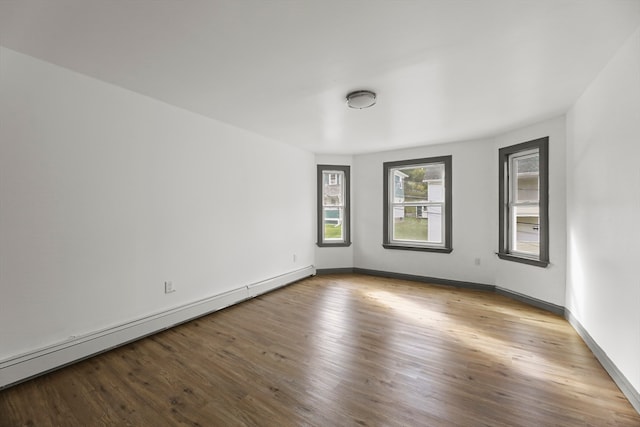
<point x="524" y="202"/>
<point x="527" y="226"/>
<point x="332" y="223"/>
<point x="434" y="179"/>
<point x="332" y="199"/>
<point x="418" y="223"/>
<point x="526" y="172"/>
<point x="399" y="178"/>
<point x="333" y="206"/>
<point x="415" y="189"/>
<point x="417" y="214"/>
<point x="419" y="184"/>
<point x="333" y="190"/>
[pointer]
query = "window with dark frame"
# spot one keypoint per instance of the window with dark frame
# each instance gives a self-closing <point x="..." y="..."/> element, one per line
<point x="417" y="205"/>
<point x="524" y="202"/>
<point x="333" y="205"/>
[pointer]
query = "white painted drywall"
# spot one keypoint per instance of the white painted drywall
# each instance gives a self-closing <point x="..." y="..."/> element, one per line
<point x="475" y="216"/>
<point x="546" y="284"/>
<point x="474" y="211"/>
<point x="338" y="257"/>
<point x="603" y="179"/>
<point x="105" y="194"/>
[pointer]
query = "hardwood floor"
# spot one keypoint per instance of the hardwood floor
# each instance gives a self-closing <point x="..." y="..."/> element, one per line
<point x="337" y="351"/>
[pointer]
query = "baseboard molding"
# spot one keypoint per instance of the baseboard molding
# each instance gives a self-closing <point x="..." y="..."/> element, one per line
<point x="618" y="377"/>
<point x="323" y="271"/>
<point x="553" y="308"/>
<point x="273" y="283"/>
<point x="20" y="368"/>
<point x="425" y="279"/>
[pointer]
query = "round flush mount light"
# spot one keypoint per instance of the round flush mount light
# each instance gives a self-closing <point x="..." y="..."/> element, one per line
<point x="361" y="99"/>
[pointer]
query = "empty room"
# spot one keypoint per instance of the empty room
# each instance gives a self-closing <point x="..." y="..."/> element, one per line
<point x="319" y="213"/>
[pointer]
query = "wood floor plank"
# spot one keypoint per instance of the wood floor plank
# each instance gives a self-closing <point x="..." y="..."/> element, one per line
<point x="339" y="350"/>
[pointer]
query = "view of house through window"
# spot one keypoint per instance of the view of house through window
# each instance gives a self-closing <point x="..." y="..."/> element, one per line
<point x="417" y="204"/>
<point x="333" y="205"/>
<point x="523" y="202"/>
<point x="524" y="207"/>
<point x="418" y="200"/>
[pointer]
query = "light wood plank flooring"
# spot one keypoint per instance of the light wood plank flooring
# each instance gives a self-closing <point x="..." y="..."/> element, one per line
<point x="339" y="351"/>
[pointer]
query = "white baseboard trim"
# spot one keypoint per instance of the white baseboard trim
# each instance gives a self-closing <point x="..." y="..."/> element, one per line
<point x="267" y="285"/>
<point x="22" y="367"/>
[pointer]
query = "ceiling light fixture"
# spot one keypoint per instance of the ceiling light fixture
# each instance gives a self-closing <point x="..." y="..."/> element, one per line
<point x="361" y="99"/>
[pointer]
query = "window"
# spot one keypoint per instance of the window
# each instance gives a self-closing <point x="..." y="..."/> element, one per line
<point x="333" y="206"/>
<point x="524" y="200"/>
<point x="417" y="204"/>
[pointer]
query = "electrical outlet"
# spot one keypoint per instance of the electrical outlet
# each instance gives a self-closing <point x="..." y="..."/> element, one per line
<point x="477" y="261"/>
<point x="294" y="257"/>
<point x="168" y="287"/>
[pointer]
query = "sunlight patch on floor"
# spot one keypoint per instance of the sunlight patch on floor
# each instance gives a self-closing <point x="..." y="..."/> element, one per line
<point x="472" y="337"/>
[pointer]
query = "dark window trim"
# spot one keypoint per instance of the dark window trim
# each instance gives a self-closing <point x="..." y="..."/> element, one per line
<point x="347" y="205"/>
<point x="542" y="145"/>
<point x="448" y="203"/>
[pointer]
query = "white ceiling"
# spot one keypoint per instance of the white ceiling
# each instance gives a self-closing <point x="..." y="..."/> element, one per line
<point x="444" y="70"/>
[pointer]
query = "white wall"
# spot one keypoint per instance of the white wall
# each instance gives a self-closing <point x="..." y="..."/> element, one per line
<point x="337" y="257"/>
<point x="474" y="208"/>
<point x="546" y="284"/>
<point x="603" y="140"/>
<point x="475" y="216"/>
<point x="105" y="194"/>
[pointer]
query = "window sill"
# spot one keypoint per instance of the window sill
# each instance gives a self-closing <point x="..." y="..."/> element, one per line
<point x="334" y="245"/>
<point x="523" y="260"/>
<point x="418" y="248"/>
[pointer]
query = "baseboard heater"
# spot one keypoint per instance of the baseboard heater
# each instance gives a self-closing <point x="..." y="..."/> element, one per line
<point x="20" y="368"/>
